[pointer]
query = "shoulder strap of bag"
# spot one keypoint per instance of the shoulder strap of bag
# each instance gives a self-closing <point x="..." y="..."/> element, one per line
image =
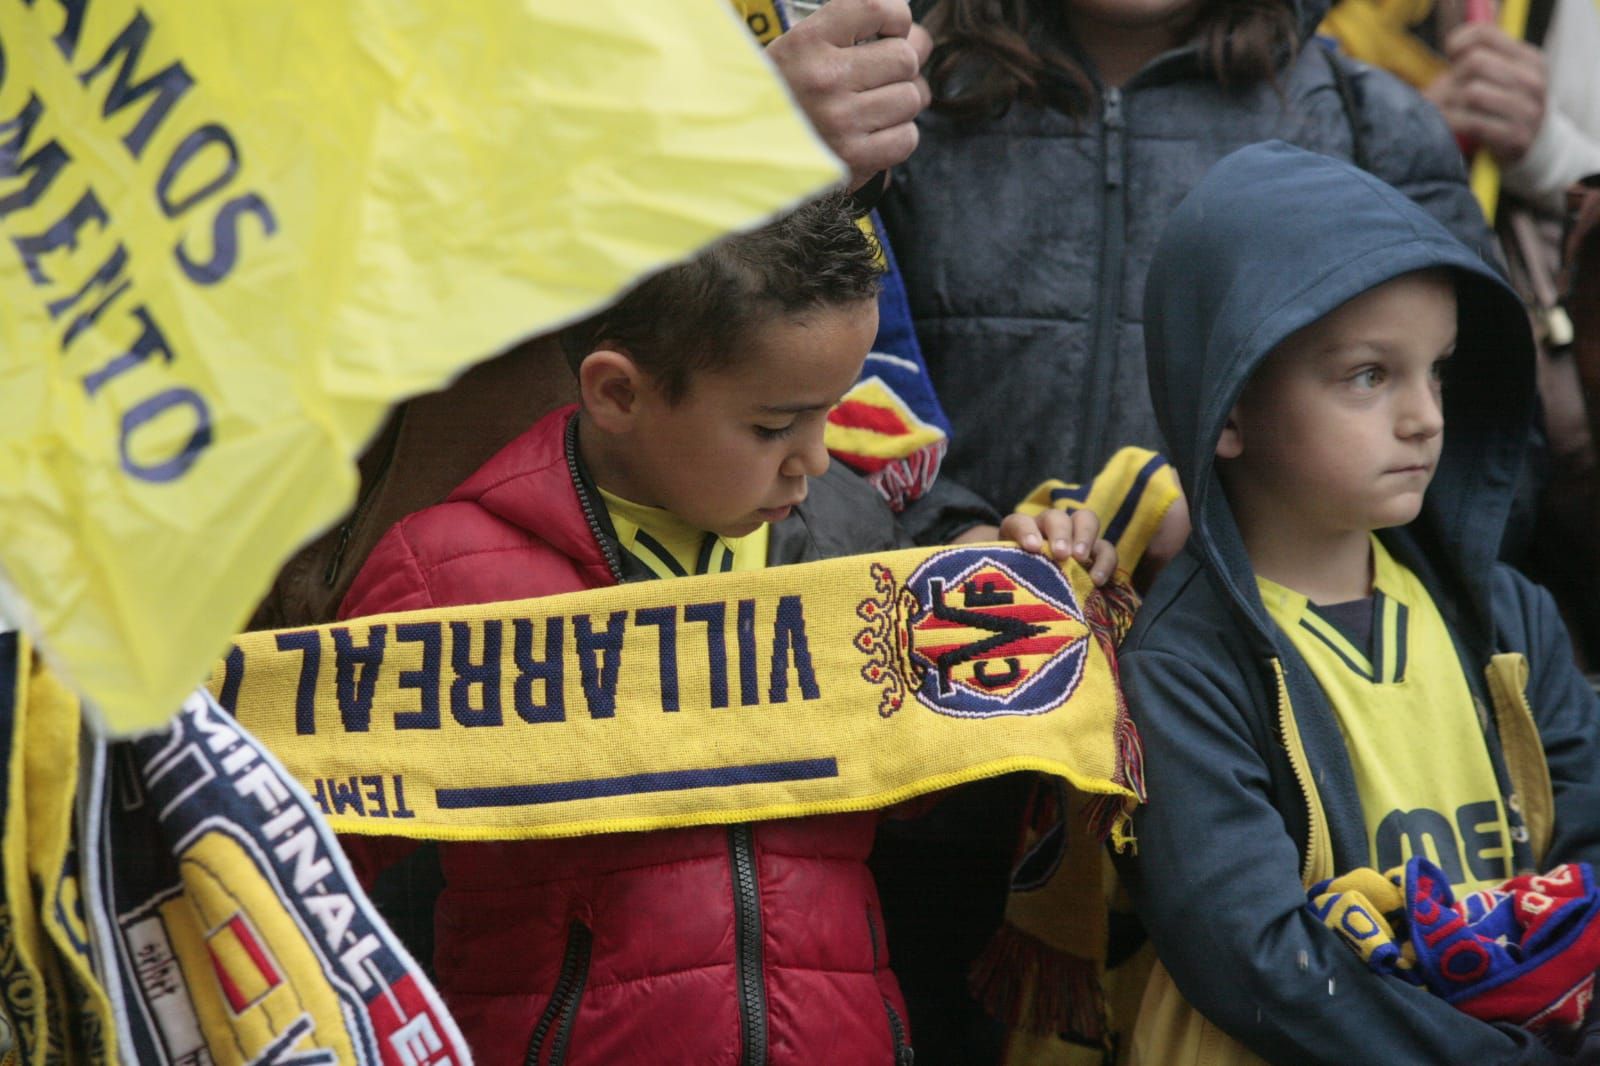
<point x="1347" y="99"/>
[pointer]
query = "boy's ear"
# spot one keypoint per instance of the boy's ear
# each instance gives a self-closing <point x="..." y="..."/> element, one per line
<point x="1230" y="442"/>
<point x="611" y="385"/>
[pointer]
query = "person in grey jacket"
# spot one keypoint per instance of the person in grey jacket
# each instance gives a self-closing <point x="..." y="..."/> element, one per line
<point x="1059" y="140"/>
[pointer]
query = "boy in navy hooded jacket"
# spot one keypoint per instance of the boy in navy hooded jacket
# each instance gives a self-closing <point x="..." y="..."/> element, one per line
<point x="1337" y="673"/>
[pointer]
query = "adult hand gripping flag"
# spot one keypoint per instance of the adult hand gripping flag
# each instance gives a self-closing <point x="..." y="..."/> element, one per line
<point x="232" y="233"/>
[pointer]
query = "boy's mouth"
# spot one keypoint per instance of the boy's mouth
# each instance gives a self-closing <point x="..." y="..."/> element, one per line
<point x="782" y="511"/>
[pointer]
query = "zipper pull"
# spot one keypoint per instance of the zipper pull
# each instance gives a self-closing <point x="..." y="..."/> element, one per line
<point x="1113" y="108"/>
<point x="332" y="573"/>
<point x="1112" y="113"/>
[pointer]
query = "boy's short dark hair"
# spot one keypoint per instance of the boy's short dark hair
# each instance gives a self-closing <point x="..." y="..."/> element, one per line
<point x="693" y="317"/>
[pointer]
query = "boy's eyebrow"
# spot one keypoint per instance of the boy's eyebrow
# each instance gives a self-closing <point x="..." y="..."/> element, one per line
<point x="1357" y="347"/>
<point x="793" y="408"/>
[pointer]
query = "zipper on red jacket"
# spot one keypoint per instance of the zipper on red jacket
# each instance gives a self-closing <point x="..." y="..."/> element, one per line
<point x="563" y="1005"/>
<point x="903" y="1054"/>
<point x="595" y="529"/>
<point x="747" y="945"/>
<point x="741" y="843"/>
<point x="369" y="495"/>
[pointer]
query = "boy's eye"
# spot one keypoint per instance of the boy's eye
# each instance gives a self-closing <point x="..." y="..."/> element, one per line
<point x="1368" y="377"/>
<point x="774" y="432"/>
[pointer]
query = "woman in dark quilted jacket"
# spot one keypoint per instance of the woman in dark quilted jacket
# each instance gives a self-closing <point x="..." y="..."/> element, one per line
<point x="1060" y="138"/>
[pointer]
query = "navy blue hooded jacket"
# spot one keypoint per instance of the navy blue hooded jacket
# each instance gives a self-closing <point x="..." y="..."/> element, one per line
<point x="1270" y="241"/>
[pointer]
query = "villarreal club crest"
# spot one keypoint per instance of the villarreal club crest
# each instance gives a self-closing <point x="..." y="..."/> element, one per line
<point x="995" y="631"/>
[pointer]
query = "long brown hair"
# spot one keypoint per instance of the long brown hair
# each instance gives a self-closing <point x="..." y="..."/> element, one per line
<point x="990" y="53"/>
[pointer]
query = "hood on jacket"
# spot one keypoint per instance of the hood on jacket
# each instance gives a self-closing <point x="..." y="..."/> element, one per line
<point x="1273" y="239"/>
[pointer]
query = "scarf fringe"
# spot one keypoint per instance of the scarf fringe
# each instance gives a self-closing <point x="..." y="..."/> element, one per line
<point x="1035" y="988"/>
<point x="1111" y="817"/>
<point x="1110" y="613"/>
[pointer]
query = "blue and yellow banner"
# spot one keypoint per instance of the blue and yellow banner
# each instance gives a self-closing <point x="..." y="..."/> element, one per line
<point x="178" y="899"/>
<point x="231" y="233"/>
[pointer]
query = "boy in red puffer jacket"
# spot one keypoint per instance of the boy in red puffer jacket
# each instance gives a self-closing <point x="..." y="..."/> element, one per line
<point x="698" y="449"/>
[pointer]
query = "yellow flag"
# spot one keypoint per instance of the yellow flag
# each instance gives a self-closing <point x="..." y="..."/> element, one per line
<point x="232" y="232"/>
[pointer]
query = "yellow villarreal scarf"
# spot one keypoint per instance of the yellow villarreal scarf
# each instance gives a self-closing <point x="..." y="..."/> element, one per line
<point x="1044" y="972"/>
<point x="843" y="685"/>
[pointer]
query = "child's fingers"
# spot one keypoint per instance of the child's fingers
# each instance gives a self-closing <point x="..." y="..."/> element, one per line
<point x="1085" y="531"/>
<point x="1064" y="536"/>
<point x="1024" y="531"/>
<point x="1105" y="562"/>
<point x="1060" y="529"/>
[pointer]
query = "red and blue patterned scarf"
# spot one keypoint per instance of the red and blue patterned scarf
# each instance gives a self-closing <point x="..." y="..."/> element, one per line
<point x="1525" y="952"/>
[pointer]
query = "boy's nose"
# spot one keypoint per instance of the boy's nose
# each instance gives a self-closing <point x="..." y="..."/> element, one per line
<point x="809" y="459"/>
<point x="1423" y="414"/>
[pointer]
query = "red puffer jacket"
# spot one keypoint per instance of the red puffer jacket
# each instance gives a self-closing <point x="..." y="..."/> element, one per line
<point x="726" y="944"/>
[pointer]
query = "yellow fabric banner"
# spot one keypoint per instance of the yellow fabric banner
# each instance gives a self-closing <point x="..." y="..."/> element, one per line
<point x="38" y="762"/>
<point x="1380" y="32"/>
<point x="848" y="684"/>
<point x="235" y="231"/>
